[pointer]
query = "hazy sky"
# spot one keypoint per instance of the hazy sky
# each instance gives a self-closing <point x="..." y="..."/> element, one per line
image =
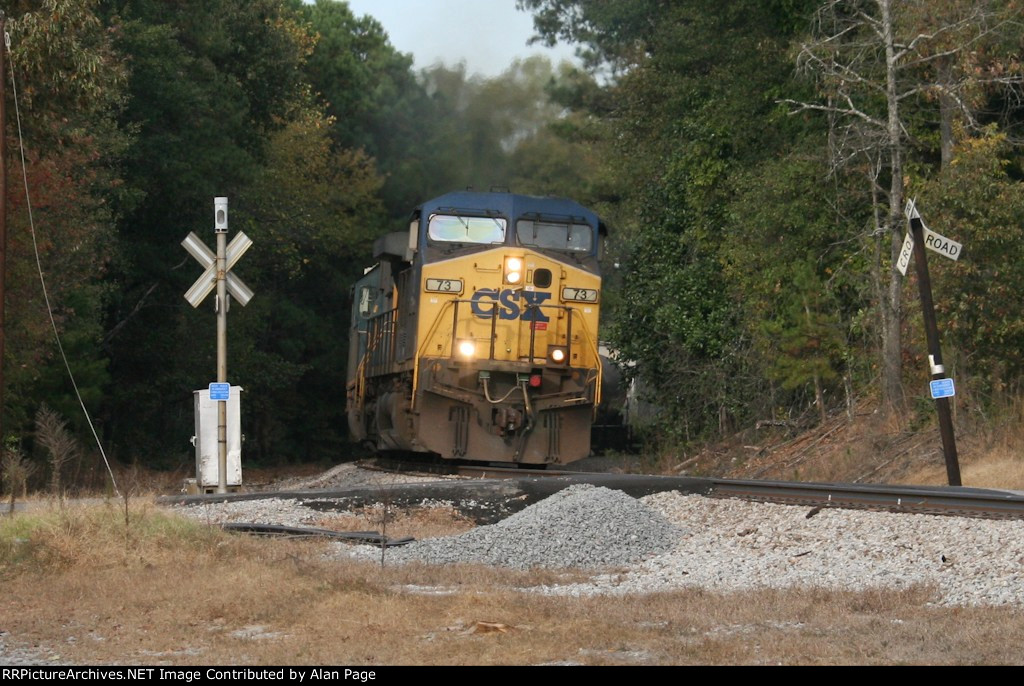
<point x="486" y="34"/>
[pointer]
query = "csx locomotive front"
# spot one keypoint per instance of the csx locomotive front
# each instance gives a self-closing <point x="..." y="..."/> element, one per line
<point x="475" y="335"/>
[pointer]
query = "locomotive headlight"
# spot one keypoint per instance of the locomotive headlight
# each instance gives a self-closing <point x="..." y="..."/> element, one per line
<point x="513" y="270"/>
<point x="466" y="348"/>
<point x="557" y="354"/>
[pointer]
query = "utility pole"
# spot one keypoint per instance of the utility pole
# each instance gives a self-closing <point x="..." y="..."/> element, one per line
<point x="938" y="371"/>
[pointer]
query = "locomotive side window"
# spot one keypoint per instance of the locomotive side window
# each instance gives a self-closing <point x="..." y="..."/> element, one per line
<point x="364" y="301"/>
<point x="452" y="228"/>
<point x="555" y="235"/>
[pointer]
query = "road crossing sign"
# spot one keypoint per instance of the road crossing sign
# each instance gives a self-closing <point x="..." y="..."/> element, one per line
<point x="941" y="389"/>
<point x="942" y="245"/>
<point x="208" y="260"/>
<point x="933" y="241"/>
<point x="217" y="275"/>
<point x="905" y="254"/>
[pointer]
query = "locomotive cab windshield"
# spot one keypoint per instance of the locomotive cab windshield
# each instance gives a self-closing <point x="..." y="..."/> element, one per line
<point x="454" y="228"/>
<point x="565" y="235"/>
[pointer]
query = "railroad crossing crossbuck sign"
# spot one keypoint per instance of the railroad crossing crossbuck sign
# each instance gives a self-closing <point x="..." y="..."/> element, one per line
<point x="208" y="260"/>
<point x="217" y="274"/>
<point x="933" y="241"/>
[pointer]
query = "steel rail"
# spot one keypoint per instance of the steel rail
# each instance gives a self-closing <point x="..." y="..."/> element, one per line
<point x="369" y="537"/>
<point x="476" y="471"/>
<point x="938" y="500"/>
<point x="943" y="500"/>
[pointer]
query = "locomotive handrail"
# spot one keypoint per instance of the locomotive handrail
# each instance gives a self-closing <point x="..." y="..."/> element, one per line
<point x="597" y="356"/>
<point x="453" y="303"/>
<point x="372" y="341"/>
<point x="422" y="349"/>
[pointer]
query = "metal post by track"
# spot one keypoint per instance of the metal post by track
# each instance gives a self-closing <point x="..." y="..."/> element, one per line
<point x="218" y="277"/>
<point x="221" y="229"/>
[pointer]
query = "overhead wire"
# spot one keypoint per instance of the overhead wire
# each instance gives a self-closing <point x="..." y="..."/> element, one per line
<point x="39" y="265"/>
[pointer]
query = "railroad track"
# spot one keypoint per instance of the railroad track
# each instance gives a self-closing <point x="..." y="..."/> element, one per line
<point x="936" y="500"/>
<point x="450" y="468"/>
<point x="511" y="488"/>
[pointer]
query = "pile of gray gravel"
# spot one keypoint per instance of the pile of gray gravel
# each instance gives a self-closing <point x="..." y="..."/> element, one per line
<point x="581" y="526"/>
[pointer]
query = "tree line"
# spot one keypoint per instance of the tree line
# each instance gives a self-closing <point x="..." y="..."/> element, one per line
<point x="136" y="113"/>
<point x="763" y="154"/>
<point x="753" y="159"/>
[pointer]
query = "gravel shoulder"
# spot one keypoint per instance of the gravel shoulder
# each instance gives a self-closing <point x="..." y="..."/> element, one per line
<point x="639" y="547"/>
<point x="13" y="654"/>
<point x="670" y="541"/>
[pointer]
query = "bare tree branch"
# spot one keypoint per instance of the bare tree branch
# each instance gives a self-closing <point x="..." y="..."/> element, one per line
<point x="851" y="111"/>
<point x="135" y="310"/>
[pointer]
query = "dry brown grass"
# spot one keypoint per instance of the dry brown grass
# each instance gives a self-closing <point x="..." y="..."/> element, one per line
<point x="991" y="456"/>
<point x="874" y="449"/>
<point x="990" y="470"/>
<point x="165" y="590"/>
<point x="144" y="480"/>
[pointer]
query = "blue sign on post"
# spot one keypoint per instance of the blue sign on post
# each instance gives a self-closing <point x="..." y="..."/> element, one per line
<point x="220" y="391"/>
<point x="942" y="388"/>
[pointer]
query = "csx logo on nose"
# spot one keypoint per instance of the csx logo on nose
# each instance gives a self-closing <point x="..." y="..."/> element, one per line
<point x="507" y="302"/>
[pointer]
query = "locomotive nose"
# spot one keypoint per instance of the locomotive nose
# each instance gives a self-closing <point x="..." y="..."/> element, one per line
<point x="474" y="336"/>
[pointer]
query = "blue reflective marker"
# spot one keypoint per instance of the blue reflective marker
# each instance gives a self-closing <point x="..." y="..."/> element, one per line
<point x="942" y="388"/>
<point x="220" y="391"/>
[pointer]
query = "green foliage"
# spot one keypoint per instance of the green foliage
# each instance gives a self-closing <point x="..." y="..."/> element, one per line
<point x="374" y="100"/>
<point x="613" y="33"/>
<point x="975" y="202"/>
<point x="689" y="119"/>
<point x="312" y="214"/>
<point x="316" y="128"/>
<point x="750" y="268"/>
<point x="210" y="81"/>
<point x="70" y="85"/>
<point x="754" y="270"/>
<point x="674" y="321"/>
<point x="802" y="342"/>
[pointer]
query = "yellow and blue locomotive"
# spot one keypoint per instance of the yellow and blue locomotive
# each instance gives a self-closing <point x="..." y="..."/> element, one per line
<point x="475" y="334"/>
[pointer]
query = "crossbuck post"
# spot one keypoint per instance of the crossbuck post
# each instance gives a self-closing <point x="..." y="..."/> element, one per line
<point x="218" y="276"/>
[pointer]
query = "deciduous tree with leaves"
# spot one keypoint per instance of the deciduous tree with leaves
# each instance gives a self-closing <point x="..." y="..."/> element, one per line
<point x="876" y="64"/>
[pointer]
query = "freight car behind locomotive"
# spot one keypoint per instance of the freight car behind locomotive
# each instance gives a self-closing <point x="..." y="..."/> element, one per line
<point x="475" y="335"/>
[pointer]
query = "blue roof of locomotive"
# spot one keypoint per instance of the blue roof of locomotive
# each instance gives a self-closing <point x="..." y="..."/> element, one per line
<point x="509" y="205"/>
